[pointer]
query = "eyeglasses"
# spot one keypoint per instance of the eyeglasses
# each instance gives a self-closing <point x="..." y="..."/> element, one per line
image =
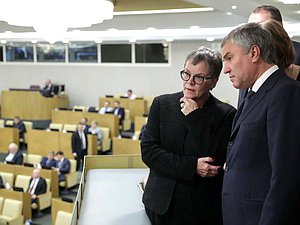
<point x="196" y="78"/>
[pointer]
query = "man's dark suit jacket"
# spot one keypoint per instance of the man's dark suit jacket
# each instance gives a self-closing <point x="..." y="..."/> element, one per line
<point x="48" y="91"/>
<point x="171" y="145"/>
<point x="262" y="183"/>
<point x="121" y="113"/>
<point x="77" y="144"/>
<point x="41" y="187"/>
<point x="64" y="169"/>
<point x="50" y="164"/>
<point x="1" y="182"/>
<point x="21" y="127"/>
<point x="18" y="158"/>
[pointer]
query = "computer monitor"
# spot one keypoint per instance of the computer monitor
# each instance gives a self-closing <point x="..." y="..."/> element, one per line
<point x="20" y="189"/>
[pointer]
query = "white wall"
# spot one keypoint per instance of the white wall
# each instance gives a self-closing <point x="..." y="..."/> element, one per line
<point x="86" y="83"/>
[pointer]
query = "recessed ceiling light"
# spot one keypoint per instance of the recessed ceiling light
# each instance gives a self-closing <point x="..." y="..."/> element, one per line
<point x="151" y="29"/>
<point x="3" y="41"/>
<point x="229" y="13"/>
<point x="65" y="41"/>
<point x="132" y="40"/>
<point x="33" y="41"/>
<point x="169" y="39"/>
<point x="98" y="40"/>
<point x="194" y="27"/>
<point x="210" y="38"/>
<point x="233" y="7"/>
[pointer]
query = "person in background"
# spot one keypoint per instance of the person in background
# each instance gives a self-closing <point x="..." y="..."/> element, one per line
<point x="1" y="182"/>
<point x="106" y="108"/>
<point x="18" y="123"/>
<point x="48" y="89"/>
<point x="86" y="127"/>
<point x="37" y="185"/>
<point x="95" y="129"/>
<point x="266" y="12"/>
<point x="14" y="156"/>
<point x="119" y="111"/>
<point x="79" y="144"/>
<point x="63" y="166"/>
<point x="184" y="145"/>
<point x="49" y="161"/>
<point x="130" y="94"/>
<point x="262" y="163"/>
<point x="283" y="47"/>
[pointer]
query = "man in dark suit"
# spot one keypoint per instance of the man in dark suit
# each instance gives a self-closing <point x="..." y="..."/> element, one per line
<point x="14" y="156"/>
<point x="48" y="89"/>
<point x="49" y="161"/>
<point x="79" y="145"/>
<point x="119" y="111"/>
<point x="184" y="145"/>
<point x="18" y="123"/>
<point x="86" y="127"/>
<point x="263" y="13"/>
<point x="37" y="185"/>
<point x="63" y="166"/>
<point x="1" y="182"/>
<point x="261" y="182"/>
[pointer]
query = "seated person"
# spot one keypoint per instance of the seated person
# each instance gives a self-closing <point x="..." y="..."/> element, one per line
<point x="63" y="166"/>
<point x="48" y="89"/>
<point x="37" y="185"/>
<point x="49" y="161"/>
<point x="106" y="108"/>
<point x="14" y="156"/>
<point x="18" y="123"/>
<point x="95" y="129"/>
<point x="119" y="111"/>
<point x="130" y="94"/>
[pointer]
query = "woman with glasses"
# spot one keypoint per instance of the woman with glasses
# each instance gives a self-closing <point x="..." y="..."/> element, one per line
<point x="184" y="145"/>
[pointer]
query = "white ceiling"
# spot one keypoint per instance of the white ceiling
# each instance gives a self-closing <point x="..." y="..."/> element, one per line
<point x="172" y="25"/>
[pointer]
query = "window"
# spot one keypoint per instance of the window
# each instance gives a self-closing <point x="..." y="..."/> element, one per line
<point x="50" y="52"/>
<point x="116" y="53"/>
<point x="83" y="52"/>
<point x="151" y="53"/>
<point x="19" y="52"/>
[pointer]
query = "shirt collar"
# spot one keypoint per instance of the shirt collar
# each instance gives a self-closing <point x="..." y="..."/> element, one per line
<point x="259" y="82"/>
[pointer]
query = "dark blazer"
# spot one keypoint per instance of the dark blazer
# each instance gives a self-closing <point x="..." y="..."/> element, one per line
<point x="18" y="158"/>
<point x="21" y="127"/>
<point x="171" y="145"/>
<point x="77" y="143"/>
<point x="297" y="52"/>
<point x="1" y="181"/>
<point x="121" y="113"/>
<point x="51" y="163"/>
<point x="48" y="91"/>
<point x="41" y="187"/>
<point x="64" y="169"/>
<point x="262" y="182"/>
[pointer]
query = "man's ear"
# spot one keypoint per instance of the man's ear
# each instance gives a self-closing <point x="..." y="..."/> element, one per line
<point x="254" y="53"/>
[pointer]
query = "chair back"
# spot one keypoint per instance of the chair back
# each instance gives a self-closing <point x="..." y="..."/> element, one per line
<point x="22" y="181"/>
<point x="7" y="178"/>
<point x="12" y="208"/>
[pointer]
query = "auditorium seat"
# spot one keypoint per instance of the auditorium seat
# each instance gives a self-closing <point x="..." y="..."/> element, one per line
<point x="28" y="125"/>
<point x="71" y="178"/>
<point x="33" y="159"/>
<point x="63" y="218"/>
<point x="127" y="120"/>
<point x="22" y="181"/>
<point x="7" y="178"/>
<point x="56" y="126"/>
<point x="79" y="108"/>
<point x="106" y="141"/>
<point x="12" y="212"/>
<point x="9" y="123"/>
<point x="70" y="127"/>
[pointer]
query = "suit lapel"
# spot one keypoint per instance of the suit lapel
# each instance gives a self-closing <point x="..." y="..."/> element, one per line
<point x="261" y="93"/>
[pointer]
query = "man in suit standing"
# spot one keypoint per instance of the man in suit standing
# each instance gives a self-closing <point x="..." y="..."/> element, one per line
<point x="261" y="182"/>
<point x="79" y="145"/>
<point x="18" y="123"/>
<point x="86" y="127"/>
<point x="119" y="111"/>
<point x="49" y="161"/>
<point x="14" y="156"/>
<point x="261" y="14"/>
<point x="63" y="166"/>
<point x="37" y="185"/>
<point x="1" y="182"/>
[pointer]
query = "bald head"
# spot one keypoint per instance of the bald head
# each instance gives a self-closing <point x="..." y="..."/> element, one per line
<point x="36" y="173"/>
<point x="13" y="148"/>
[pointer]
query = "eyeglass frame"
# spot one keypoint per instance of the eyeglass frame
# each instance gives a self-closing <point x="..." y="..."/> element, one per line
<point x="196" y="75"/>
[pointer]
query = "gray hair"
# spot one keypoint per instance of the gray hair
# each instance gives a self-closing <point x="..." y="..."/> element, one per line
<point x="247" y="35"/>
<point x="212" y="58"/>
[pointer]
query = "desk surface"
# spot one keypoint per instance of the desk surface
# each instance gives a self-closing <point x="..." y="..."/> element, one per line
<point x="112" y="197"/>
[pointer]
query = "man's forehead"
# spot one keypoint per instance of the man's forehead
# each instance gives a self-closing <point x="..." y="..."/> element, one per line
<point x="259" y="17"/>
